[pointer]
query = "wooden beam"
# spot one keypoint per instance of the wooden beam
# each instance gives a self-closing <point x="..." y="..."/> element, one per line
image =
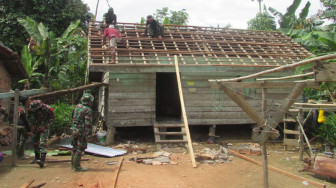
<point x="68" y="91"/>
<point x="289" y="66"/>
<point x="325" y="72"/>
<point x="116" y="172"/>
<point x="23" y="93"/>
<point x="184" y="115"/>
<point x="287" y="77"/>
<point x="278" y="116"/>
<point x="243" y="104"/>
<point x="265" y="165"/>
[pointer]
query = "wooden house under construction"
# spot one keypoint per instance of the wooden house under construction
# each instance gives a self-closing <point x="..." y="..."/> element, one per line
<point x="143" y="88"/>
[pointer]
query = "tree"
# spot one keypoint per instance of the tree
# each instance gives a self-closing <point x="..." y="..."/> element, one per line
<point x="30" y="63"/>
<point x="175" y="17"/>
<point x="55" y="14"/>
<point x="262" y="21"/>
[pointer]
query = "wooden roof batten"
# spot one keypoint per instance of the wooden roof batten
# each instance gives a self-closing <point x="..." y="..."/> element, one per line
<point x="195" y="45"/>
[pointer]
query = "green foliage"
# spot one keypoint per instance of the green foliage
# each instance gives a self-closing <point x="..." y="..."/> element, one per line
<point x="63" y="59"/>
<point x="63" y="118"/>
<point x="30" y="63"/>
<point x="289" y="19"/>
<point x="262" y="21"/>
<point x="327" y="130"/>
<point x="55" y="14"/>
<point x="175" y="17"/>
<point x="329" y="12"/>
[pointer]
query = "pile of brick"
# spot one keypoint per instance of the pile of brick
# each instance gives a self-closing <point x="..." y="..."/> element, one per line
<point x="6" y="135"/>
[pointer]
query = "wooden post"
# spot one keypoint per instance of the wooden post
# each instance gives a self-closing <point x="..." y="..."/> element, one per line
<point x="264" y="102"/>
<point x="15" y="120"/>
<point x="184" y="115"/>
<point x="265" y="165"/>
<point x="95" y="19"/>
<point x="278" y="116"/>
<point x="301" y="144"/>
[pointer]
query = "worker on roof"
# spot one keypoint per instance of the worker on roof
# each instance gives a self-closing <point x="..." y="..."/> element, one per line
<point x="154" y="28"/>
<point x="114" y="37"/>
<point x="110" y="18"/>
<point x="39" y="117"/>
<point x="81" y="130"/>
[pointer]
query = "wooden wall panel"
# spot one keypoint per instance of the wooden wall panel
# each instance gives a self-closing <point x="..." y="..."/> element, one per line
<point x="132" y="99"/>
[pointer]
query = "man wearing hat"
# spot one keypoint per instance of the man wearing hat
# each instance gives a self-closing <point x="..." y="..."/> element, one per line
<point x="155" y="29"/>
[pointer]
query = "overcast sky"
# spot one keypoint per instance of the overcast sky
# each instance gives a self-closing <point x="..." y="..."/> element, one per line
<point x="201" y="12"/>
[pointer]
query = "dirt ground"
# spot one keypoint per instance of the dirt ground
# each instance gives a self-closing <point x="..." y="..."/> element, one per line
<point x="236" y="173"/>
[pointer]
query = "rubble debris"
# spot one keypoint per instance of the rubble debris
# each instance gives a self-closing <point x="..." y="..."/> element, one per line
<point x="131" y="148"/>
<point x="248" y="149"/>
<point x="6" y="135"/>
<point x="158" y="158"/>
<point x="212" y="156"/>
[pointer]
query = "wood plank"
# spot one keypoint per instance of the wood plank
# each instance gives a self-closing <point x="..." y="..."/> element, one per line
<point x="132" y="115"/>
<point x="218" y="115"/>
<point x="23" y="93"/>
<point x="132" y="109"/>
<point x="291" y="142"/>
<point x="185" y="120"/>
<point x="131" y="123"/>
<point x="170" y="133"/>
<point x="131" y="102"/>
<point x="172" y="141"/>
<point x="220" y="121"/>
<point x="137" y="95"/>
<point x="287" y="131"/>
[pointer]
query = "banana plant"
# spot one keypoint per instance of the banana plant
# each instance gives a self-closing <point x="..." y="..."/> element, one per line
<point x="289" y="20"/>
<point x="31" y="65"/>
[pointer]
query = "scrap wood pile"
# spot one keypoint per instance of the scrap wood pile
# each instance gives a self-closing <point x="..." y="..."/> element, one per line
<point x="6" y="135"/>
<point x="211" y="156"/>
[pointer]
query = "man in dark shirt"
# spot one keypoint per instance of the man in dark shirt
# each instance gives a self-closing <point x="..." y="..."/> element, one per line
<point x="154" y="28"/>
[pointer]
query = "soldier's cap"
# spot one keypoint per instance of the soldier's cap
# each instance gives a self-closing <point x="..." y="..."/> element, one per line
<point x="110" y="9"/>
<point x="35" y="104"/>
<point x="87" y="99"/>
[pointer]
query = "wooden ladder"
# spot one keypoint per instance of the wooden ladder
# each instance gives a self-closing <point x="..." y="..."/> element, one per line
<point x="287" y="131"/>
<point x="162" y="132"/>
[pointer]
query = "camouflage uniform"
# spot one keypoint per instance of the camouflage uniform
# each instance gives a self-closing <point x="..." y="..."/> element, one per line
<point x="23" y="129"/>
<point x="81" y="129"/>
<point x="39" y="117"/>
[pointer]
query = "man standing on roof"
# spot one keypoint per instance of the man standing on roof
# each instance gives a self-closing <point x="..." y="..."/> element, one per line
<point x="23" y="127"/>
<point x="155" y="29"/>
<point x="110" y="18"/>
<point x="39" y="117"/>
<point x="81" y="130"/>
<point x="114" y="38"/>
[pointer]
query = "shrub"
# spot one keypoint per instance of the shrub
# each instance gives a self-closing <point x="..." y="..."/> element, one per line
<point x="327" y="131"/>
<point x="63" y="118"/>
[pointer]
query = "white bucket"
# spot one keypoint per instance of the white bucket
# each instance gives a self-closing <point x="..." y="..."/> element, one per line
<point x="101" y="136"/>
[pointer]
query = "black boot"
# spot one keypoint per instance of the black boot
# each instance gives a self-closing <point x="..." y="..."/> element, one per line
<point x="37" y="157"/>
<point x="41" y="162"/>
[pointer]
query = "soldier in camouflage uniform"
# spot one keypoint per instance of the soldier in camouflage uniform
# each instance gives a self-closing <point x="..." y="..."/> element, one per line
<point x="81" y="130"/>
<point x="23" y="127"/>
<point x="40" y="116"/>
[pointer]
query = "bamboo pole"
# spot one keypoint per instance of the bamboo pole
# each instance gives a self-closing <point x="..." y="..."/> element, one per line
<point x="15" y="120"/>
<point x="96" y="10"/>
<point x="184" y="115"/>
<point x="306" y="61"/>
<point x="287" y="77"/>
<point x="278" y="116"/>
<point x="265" y="165"/>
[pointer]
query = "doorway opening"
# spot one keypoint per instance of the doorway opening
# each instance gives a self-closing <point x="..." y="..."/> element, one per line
<point x="168" y="105"/>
